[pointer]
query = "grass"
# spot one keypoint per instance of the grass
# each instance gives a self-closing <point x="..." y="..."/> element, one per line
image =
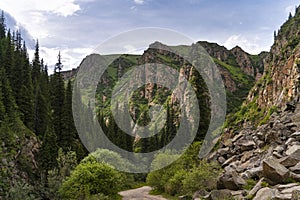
<point x="236" y="72"/>
<point x="250" y="184"/>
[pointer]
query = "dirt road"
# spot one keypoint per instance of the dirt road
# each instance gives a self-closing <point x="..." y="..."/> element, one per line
<point x="140" y="194"/>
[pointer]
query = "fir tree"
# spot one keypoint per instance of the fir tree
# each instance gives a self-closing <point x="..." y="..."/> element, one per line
<point x="57" y="102"/>
<point x="2" y="26"/>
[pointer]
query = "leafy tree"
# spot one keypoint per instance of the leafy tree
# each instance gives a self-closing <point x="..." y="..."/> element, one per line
<point x="91" y="178"/>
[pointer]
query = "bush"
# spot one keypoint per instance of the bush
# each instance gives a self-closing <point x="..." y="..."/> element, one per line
<point x="202" y="177"/>
<point x="112" y="158"/>
<point x="91" y="178"/>
<point x="186" y="175"/>
<point x="21" y="191"/>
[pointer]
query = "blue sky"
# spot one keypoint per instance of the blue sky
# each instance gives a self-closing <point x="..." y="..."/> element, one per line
<point x="76" y="27"/>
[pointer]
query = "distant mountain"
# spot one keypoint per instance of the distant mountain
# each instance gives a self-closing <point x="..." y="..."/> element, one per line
<point x="239" y="69"/>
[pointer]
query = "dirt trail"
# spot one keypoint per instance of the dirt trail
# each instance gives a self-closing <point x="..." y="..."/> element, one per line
<point x="140" y="194"/>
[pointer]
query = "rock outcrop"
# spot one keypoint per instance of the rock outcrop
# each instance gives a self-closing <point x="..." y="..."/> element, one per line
<point x="266" y="149"/>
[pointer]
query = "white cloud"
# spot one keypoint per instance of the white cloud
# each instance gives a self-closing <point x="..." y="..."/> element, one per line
<point x="250" y="46"/>
<point x="71" y="58"/>
<point x="139" y="1"/>
<point x="290" y="9"/>
<point x="32" y="13"/>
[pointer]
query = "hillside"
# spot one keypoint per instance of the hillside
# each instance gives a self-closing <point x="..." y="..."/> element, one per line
<point x="259" y="150"/>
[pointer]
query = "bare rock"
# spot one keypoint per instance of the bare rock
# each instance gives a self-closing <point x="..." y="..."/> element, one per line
<point x="231" y="181"/>
<point x="277" y="155"/>
<point x="256" y="188"/>
<point x="295" y="149"/>
<point x="274" y="171"/>
<point x="221" y="160"/>
<point x="223" y="151"/>
<point x="279" y="149"/>
<point x="296" y="135"/>
<point x="220" y="194"/>
<point x="246" y="145"/>
<point x="230" y="160"/>
<point x="265" y="194"/>
<point x="289" y="161"/>
<point x="246" y="156"/>
<point x="294" y="176"/>
<point x="253" y="172"/>
<point x="296" y="168"/>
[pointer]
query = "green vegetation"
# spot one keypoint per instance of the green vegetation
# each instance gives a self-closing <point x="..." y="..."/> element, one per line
<point x="250" y="184"/>
<point x="184" y="176"/>
<point x="238" y="75"/>
<point x="91" y="179"/>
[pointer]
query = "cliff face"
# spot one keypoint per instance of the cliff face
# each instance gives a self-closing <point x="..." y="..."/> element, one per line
<point x="280" y="82"/>
<point x="252" y="65"/>
<point x="259" y="149"/>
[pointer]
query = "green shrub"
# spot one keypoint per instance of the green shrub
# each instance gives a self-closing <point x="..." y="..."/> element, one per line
<point x="186" y="175"/>
<point x="250" y="184"/>
<point x="91" y="178"/>
<point x="202" y="177"/>
<point x="21" y="191"/>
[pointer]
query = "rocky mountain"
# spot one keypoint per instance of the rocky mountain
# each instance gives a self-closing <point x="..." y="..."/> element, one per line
<point x="239" y="69"/>
<point x="260" y="147"/>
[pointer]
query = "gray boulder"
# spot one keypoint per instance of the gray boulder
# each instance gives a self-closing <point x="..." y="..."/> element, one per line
<point x="274" y="171"/>
<point x="265" y="194"/>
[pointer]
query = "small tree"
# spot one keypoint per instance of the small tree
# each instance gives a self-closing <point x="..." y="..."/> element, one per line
<point x="91" y="178"/>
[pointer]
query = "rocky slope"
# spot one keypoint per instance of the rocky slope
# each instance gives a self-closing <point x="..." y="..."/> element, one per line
<point x="238" y="69"/>
<point x="260" y="148"/>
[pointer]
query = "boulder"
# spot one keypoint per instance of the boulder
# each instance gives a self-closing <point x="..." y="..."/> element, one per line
<point x="279" y="149"/>
<point x="277" y="155"/>
<point x="256" y="188"/>
<point x="274" y="171"/>
<point x="295" y="135"/>
<point x="230" y="160"/>
<point x="265" y="194"/>
<point x="290" y="190"/>
<point x="221" y="160"/>
<point x="253" y="173"/>
<point x="289" y="161"/>
<point x="296" y="168"/>
<point x="231" y="181"/>
<point x="295" y="149"/>
<point x="246" y="156"/>
<point x="289" y="141"/>
<point x="200" y="194"/>
<point x="220" y="194"/>
<point x="246" y="145"/>
<point x="223" y="151"/>
<point x="295" y="177"/>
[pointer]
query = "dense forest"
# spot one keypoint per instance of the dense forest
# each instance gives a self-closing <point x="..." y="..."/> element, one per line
<point x="36" y="109"/>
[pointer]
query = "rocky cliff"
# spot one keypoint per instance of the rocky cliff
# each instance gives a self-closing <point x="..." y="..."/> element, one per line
<point x="260" y="147"/>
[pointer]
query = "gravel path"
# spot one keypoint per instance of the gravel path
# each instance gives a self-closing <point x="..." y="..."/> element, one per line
<point x="140" y="194"/>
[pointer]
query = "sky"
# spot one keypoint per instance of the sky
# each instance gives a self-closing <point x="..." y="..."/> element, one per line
<point x="77" y="27"/>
